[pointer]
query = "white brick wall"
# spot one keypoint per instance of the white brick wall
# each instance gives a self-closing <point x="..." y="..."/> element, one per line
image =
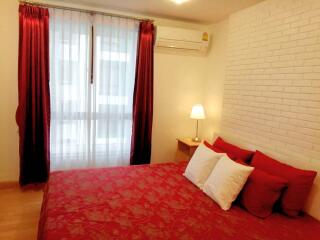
<point x="272" y="88"/>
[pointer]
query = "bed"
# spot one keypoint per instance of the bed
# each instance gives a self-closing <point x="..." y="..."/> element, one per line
<point x="151" y="202"/>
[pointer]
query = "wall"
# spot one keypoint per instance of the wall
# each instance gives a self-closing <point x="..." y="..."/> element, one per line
<point x="214" y="84"/>
<point x="9" y="147"/>
<point x="272" y="88"/>
<point x="178" y="84"/>
<point x="181" y="81"/>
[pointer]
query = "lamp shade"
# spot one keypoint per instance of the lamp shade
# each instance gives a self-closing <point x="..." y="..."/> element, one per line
<point x="197" y="112"/>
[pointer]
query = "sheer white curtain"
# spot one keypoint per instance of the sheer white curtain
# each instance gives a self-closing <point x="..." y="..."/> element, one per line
<point x="69" y="89"/>
<point x="115" y="41"/>
<point x="91" y="122"/>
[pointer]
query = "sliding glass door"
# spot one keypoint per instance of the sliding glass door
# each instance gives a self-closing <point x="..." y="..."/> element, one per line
<point x="92" y="70"/>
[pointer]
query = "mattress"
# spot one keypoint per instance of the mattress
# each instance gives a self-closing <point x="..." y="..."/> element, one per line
<point x="151" y="202"/>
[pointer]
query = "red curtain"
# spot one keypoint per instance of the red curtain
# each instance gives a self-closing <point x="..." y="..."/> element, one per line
<point x="143" y="97"/>
<point x="33" y="112"/>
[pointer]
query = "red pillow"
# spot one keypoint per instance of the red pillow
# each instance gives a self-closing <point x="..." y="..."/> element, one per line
<point x="260" y="193"/>
<point x="218" y="150"/>
<point x="299" y="182"/>
<point x="235" y="151"/>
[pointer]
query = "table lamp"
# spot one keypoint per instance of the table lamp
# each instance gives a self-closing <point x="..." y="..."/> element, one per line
<point x="197" y="113"/>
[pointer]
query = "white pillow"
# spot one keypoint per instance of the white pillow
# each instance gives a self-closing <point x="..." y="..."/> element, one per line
<point x="201" y="164"/>
<point x="226" y="181"/>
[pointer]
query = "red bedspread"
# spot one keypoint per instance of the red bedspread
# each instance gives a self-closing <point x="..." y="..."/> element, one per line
<point x="151" y="202"/>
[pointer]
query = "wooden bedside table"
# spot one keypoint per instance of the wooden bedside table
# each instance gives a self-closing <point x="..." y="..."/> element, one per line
<point x="185" y="149"/>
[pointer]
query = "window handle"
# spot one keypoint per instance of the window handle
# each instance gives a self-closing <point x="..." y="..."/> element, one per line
<point x="92" y="54"/>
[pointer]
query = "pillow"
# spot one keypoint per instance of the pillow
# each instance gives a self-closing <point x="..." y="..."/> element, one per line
<point x="201" y="165"/>
<point x="261" y="192"/>
<point x="218" y="150"/>
<point x="235" y="151"/>
<point x="299" y="182"/>
<point x="226" y="181"/>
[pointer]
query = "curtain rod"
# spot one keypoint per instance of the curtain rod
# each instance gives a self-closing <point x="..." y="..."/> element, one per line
<point x="40" y="4"/>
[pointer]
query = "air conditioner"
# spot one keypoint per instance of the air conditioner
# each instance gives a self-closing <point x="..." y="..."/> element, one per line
<point x="183" y="39"/>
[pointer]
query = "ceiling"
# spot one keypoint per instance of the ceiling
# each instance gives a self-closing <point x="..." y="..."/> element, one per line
<point x="201" y="11"/>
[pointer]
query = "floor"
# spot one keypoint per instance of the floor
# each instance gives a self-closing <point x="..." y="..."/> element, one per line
<point x="19" y="212"/>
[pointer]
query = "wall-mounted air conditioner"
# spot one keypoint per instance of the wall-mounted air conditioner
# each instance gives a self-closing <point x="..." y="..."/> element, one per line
<point x="183" y="39"/>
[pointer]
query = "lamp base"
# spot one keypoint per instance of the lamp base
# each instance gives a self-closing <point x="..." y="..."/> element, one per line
<point x="196" y="139"/>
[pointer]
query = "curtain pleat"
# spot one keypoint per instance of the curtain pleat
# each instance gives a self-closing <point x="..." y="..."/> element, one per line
<point x="33" y="112"/>
<point x="143" y="97"/>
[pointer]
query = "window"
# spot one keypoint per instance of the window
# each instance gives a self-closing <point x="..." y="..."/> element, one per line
<point x="91" y="120"/>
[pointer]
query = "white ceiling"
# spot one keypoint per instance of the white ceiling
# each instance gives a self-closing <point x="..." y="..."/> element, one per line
<point x="202" y="11"/>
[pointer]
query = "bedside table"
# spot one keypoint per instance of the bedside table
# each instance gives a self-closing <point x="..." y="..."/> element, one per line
<point x="185" y="149"/>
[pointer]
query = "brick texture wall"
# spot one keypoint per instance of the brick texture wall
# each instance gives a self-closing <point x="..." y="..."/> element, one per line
<point x="272" y="89"/>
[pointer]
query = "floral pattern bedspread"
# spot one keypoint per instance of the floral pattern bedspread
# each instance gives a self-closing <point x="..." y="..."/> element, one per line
<point x="151" y="202"/>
